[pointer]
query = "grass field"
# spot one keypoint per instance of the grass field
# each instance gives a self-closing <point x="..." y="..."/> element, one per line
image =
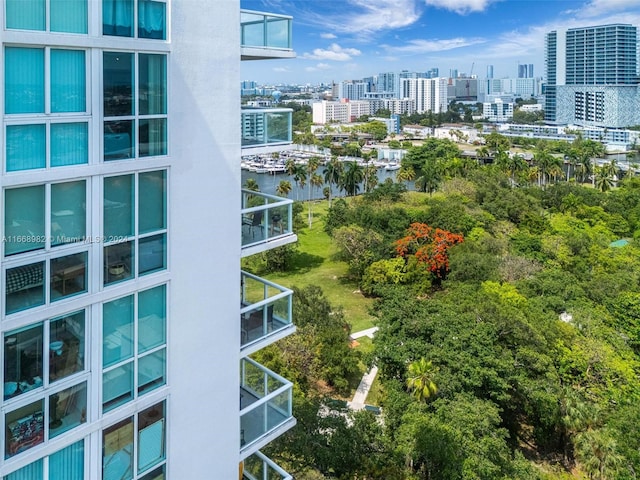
<point x="315" y="265"/>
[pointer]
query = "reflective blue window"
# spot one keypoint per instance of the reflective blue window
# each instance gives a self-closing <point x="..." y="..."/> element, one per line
<point x="24" y="80"/>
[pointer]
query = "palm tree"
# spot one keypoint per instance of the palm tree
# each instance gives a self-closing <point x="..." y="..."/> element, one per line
<point x="593" y="150"/>
<point x="300" y="177"/>
<point x="603" y="181"/>
<point x="314" y="181"/>
<point x="420" y="379"/>
<point x="405" y="174"/>
<point x="597" y="452"/>
<point x="284" y="188"/>
<point x="545" y="161"/>
<point x="290" y="166"/>
<point x="351" y="178"/>
<point x="483" y="153"/>
<point x="431" y="177"/>
<point x="370" y="178"/>
<point x="517" y="166"/>
<point x="612" y="169"/>
<point x="252" y="184"/>
<point x="332" y="174"/>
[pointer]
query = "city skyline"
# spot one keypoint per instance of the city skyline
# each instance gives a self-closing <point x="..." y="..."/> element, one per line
<point x="337" y="41"/>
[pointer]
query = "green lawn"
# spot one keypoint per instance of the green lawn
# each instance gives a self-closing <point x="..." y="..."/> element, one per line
<point x="314" y="265"/>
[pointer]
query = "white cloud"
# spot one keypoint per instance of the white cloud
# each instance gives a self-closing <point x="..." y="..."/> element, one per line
<point x="328" y="36"/>
<point x="335" y="53"/>
<point x="318" y="67"/>
<point x="281" y="69"/>
<point x="603" y="7"/>
<point x="462" y="7"/>
<point x="361" y="17"/>
<point x="428" y="46"/>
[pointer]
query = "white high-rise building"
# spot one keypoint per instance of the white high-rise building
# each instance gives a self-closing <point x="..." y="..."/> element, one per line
<point x="126" y="322"/>
<point x="429" y="94"/>
<point x="592" y="76"/>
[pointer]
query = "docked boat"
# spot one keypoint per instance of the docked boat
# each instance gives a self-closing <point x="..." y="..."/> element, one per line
<point x="392" y="166"/>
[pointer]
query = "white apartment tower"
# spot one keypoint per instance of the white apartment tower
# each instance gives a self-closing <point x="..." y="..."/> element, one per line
<point x="429" y="94"/>
<point x="126" y="322"/>
<point x="592" y="76"/>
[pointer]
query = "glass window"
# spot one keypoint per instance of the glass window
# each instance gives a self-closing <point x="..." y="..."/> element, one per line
<point x="152" y="318"/>
<point x="117" y="386"/>
<point x="122" y="379"/>
<point x="66" y="345"/>
<point x="68" y="463"/>
<point x="151" y="19"/>
<point x="151" y="371"/>
<point x="24" y="287"/>
<point x="23" y="361"/>
<point x="118" y="140"/>
<point x="24" y="219"/>
<point x="138" y="137"/>
<point x="24" y="428"/>
<point x="68" y="81"/>
<point x="69" y="16"/>
<point x="152" y="204"/>
<point x="147" y="430"/>
<point x="151" y="436"/>
<point x="68" y="276"/>
<point x="26" y="147"/>
<point x="117" y="331"/>
<point x="26" y="14"/>
<point x="65" y="464"/>
<point x="152" y="88"/>
<point x="67" y="409"/>
<point x="119" y="203"/>
<point x="69" y="144"/>
<point x="68" y="212"/>
<point x="117" y="451"/>
<point x="117" y="18"/>
<point x="118" y="83"/>
<point x="157" y="474"/>
<point x="152" y="137"/>
<point x="24" y="80"/>
<point x="118" y="207"/>
<point x="119" y="262"/>
<point x="33" y="471"/>
<point x="152" y="255"/>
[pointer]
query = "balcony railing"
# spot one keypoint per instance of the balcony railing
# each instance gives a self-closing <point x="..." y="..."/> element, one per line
<point x="265" y="314"/>
<point x="266" y="219"/>
<point x="265" y="30"/>
<point x="260" y="467"/>
<point x="266" y="126"/>
<point x="265" y="406"/>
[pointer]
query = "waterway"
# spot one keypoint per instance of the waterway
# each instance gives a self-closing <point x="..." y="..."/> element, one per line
<point x="268" y="184"/>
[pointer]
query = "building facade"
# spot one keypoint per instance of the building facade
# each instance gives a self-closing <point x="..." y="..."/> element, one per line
<point x="497" y="111"/>
<point x="339" y="112"/>
<point x="428" y="94"/>
<point x="125" y="348"/>
<point x="592" y="76"/>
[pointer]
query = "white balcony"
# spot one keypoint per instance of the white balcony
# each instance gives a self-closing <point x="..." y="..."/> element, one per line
<point x="266" y="129"/>
<point x="265" y="36"/>
<point x="260" y="467"/>
<point x="265" y="314"/>
<point x="265" y="406"/>
<point x="267" y="222"/>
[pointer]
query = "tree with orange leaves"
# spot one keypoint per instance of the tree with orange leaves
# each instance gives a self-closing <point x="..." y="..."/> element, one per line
<point x="429" y="246"/>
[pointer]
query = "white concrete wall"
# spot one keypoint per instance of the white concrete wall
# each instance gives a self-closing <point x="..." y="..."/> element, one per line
<point x="204" y="437"/>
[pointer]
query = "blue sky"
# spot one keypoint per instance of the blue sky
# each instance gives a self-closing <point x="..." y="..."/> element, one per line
<point x="349" y="39"/>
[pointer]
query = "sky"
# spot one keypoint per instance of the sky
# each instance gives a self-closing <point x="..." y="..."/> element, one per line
<point x="339" y="40"/>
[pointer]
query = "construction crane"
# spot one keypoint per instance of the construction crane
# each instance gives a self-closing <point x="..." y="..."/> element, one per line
<point x="469" y="81"/>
